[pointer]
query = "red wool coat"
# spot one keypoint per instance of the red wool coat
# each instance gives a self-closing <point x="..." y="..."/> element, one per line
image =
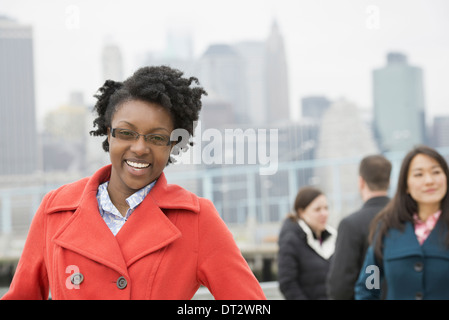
<point x="173" y="242"/>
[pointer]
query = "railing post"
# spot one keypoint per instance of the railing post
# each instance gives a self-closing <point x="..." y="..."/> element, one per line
<point x="292" y="185"/>
<point x="208" y="188"/>
<point x="336" y="188"/>
<point x="251" y="219"/>
<point x="6" y="213"/>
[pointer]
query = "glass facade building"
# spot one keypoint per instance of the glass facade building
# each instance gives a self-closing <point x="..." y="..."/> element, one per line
<point x="399" y="106"/>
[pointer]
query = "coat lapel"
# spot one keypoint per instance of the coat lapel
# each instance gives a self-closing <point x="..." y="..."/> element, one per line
<point x="402" y="243"/>
<point x="435" y="244"/>
<point x="146" y="231"/>
<point x="85" y="232"/>
<point x="149" y="229"/>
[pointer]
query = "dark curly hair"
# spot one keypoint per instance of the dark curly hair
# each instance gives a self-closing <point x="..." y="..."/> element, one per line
<point x="163" y="85"/>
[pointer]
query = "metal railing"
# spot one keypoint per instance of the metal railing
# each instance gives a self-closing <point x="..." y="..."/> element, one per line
<point x="252" y="205"/>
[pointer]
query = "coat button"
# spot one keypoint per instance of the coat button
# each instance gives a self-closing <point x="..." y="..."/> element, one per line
<point x="76" y="278"/>
<point x="121" y="283"/>
<point x="418" y="267"/>
<point x="418" y="296"/>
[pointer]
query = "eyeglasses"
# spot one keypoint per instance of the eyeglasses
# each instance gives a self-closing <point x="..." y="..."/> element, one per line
<point x="130" y="135"/>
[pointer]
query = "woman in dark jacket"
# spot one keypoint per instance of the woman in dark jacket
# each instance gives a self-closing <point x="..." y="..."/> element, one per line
<point x="306" y="245"/>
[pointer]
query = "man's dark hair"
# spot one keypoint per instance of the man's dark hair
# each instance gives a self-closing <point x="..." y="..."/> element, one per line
<point x="376" y="170"/>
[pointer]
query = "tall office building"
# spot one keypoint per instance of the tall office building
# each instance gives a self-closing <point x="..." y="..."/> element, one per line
<point x="221" y="73"/>
<point x="440" y="133"/>
<point x="64" y="140"/>
<point x="179" y="44"/>
<point x="314" y="107"/>
<point x="178" y="52"/>
<point x="398" y="93"/>
<point x="254" y="74"/>
<point x="343" y="137"/>
<point x="277" y="77"/>
<point x="18" y="134"/>
<point x="216" y="113"/>
<point x="112" y="63"/>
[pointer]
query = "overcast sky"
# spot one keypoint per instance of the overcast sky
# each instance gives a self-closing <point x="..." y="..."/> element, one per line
<point x="332" y="45"/>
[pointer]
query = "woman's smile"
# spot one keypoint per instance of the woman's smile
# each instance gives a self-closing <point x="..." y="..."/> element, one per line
<point x="136" y="161"/>
<point x="137" y="168"/>
<point x="137" y="165"/>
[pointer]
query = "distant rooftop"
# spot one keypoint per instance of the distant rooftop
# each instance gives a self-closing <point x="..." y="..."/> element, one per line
<point x="4" y="18"/>
<point x="219" y="49"/>
<point x="397" y="58"/>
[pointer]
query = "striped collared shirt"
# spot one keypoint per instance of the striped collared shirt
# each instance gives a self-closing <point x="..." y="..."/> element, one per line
<point x="109" y="212"/>
<point x="424" y="228"/>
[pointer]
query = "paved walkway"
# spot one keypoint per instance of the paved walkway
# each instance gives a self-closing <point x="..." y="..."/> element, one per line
<point x="270" y="288"/>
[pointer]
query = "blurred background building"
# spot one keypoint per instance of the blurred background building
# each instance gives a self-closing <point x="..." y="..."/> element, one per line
<point x="440" y="132"/>
<point x="277" y="89"/>
<point x="344" y="136"/>
<point x="64" y="137"/>
<point x="19" y="153"/>
<point x="399" y="106"/>
<point x="314" y="107"/>
<point x="112" y="62"/>
<point x="221" y="70"/>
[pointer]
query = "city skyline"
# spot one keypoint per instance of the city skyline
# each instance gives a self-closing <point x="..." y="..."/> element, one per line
<point x="331" y="48"/>
<point x="332" y="51"/>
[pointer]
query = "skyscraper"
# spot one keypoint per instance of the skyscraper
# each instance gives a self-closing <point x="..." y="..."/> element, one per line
<point x="314" y="107"/>
<point x="112" y="63"/>
<point x="179" y="44"/>
<point x="221" y="72"/>
<point x="343" y="136"/>
<point x="277" y="77"/>
<point x="178" y="52"/>
<point x="18" y="134"/>
<point x="398" y="93"/>
<point x="253" y="55"/>
<point x="440" y="133"/>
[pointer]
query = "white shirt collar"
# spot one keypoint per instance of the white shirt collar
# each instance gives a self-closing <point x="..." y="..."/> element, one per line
<point x="324" y="249"/>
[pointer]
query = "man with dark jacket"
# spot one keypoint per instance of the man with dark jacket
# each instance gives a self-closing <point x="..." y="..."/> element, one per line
<point x="352" y="236"/>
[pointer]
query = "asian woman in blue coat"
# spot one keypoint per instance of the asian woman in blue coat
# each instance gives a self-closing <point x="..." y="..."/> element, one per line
<point x="409" y="239"/>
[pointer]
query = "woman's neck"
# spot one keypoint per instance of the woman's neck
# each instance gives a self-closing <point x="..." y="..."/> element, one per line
<point x="425" y="211"/>
<point x="316" y="233"/>
<point x="118" y="200"/>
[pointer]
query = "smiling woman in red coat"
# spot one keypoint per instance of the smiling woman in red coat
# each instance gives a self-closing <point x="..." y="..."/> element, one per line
<point x="124" y="233"/>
